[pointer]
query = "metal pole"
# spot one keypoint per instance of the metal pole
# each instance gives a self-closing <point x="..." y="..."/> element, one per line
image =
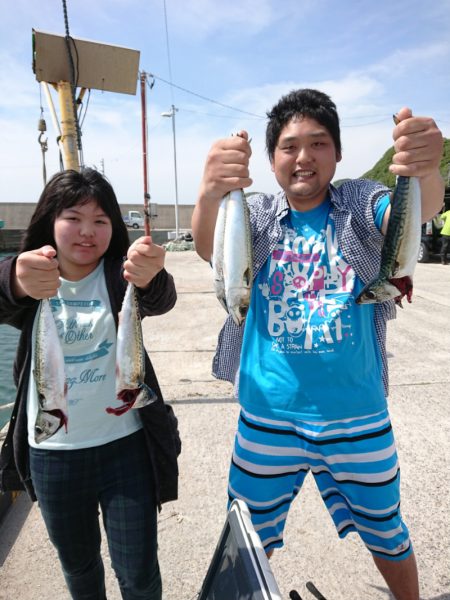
<point x="52" y="111"/>
<point x="68" y="127"/>
<point x="177" y="230"/>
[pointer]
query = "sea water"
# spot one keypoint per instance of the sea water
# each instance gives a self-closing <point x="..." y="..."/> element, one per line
<point x="9" y="336"/>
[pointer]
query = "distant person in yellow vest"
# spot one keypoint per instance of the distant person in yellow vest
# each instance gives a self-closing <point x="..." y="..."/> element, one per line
<point x="445" y="234"/>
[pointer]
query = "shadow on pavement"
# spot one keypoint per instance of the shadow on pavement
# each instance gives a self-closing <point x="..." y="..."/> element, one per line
<point x="203" y="400"/>
<point x="12" y="524"/>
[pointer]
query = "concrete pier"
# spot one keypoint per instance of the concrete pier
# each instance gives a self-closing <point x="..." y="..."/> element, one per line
<point x="181" y="345"/>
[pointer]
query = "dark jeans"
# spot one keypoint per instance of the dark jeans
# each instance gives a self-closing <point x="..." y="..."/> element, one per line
<point x="71" y="485"/>
<point x="444" y="248"/>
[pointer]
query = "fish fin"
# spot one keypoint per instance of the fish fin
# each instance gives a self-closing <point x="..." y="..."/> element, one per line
<point x="248" y="277"/>
<point x="223" y="302"/>
<point x="219" y="289"/>
<point x="239" y="315"/>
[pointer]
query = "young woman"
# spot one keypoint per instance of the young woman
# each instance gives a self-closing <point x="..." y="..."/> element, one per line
<point x="73" y="253"/>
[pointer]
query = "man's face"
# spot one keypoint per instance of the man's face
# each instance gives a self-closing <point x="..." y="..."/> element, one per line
<point x="304" y="162"/>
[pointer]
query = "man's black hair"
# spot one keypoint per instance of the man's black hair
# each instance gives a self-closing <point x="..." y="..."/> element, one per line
<point x="302" y="103"/>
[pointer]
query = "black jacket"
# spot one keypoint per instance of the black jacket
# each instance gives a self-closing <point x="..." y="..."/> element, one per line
<point x="158" y="418"/>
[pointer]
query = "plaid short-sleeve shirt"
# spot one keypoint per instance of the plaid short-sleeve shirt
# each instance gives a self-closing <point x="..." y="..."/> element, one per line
<point x="359" y="240"/>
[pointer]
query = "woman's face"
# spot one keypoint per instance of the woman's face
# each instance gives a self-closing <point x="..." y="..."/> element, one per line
<point x="82" y="234"/>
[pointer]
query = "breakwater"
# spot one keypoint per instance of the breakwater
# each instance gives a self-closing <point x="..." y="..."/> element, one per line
<point x="10" y="239"/>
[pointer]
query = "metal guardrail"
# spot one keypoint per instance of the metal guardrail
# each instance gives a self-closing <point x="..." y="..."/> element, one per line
<point x="6" y="406"/>
<point x="3" y="432"/>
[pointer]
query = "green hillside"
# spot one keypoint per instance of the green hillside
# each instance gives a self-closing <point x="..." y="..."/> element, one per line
<point x="380" y="172"/>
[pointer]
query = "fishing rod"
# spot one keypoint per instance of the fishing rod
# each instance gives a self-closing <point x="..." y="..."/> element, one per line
<point x="143" y="80"/>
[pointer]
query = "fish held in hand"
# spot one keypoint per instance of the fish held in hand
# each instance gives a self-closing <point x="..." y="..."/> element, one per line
<point x="400" y="247"/>
<point x="131" y="389"/>
<point x="217" y="257"/>
<point x="49" y="376"/>
<point x="232" y="259"/>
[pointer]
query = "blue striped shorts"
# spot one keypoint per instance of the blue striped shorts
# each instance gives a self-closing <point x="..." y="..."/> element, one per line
<point x="354" y="464"/>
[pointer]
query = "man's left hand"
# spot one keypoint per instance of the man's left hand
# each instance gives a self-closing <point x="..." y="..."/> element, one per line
<point x="418" y="144"/>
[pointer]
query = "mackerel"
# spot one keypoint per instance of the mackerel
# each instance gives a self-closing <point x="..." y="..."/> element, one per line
<point x="131" y="389"/>
<point x="400" y="247"/>
<point x="49" y="376"/>
<point x="233" y="256"/>
<point x="217" y="257"/>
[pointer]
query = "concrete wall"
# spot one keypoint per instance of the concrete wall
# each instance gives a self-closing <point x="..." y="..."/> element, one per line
<point x="16" y="215"/>
<point x="165" y="218"/>
<point x="10" y="239"/>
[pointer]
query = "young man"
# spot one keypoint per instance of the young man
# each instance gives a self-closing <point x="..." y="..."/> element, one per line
<point x="310" y="364"/>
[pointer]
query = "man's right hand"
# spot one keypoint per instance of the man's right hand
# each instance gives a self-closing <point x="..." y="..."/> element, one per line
<point x="227" y="167"/>
<point x="37" y="274"/>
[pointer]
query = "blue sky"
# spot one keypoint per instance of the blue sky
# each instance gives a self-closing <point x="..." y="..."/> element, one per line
<point x="371" y="57"/>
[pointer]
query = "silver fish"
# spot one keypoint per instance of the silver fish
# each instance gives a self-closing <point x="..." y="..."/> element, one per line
<point x="400" y="247"/>
<point x="49" y="376"/>
<point x="130" y="362"/>
<point x="217" y="257"/>
<point x="233" y="256"/>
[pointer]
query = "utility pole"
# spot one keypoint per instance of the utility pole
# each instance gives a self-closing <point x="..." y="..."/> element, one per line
<point x="171" y="114"/>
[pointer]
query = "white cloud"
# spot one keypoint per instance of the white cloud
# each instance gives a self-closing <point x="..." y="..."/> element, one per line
<point x="207" y="17"/>
<point x="366" y="90"/>
<point x="412" y="59"/>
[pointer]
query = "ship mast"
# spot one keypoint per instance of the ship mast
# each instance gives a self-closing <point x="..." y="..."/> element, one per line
<point x="69" y="134"/>
<point x="67" y="63"/>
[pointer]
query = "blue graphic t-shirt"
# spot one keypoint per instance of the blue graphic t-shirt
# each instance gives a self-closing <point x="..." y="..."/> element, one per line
<point x="309" y="350"/>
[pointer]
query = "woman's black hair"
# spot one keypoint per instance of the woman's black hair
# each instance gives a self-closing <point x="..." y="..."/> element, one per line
<point x="302" y="103"/>
<point x="70" y="188"/>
